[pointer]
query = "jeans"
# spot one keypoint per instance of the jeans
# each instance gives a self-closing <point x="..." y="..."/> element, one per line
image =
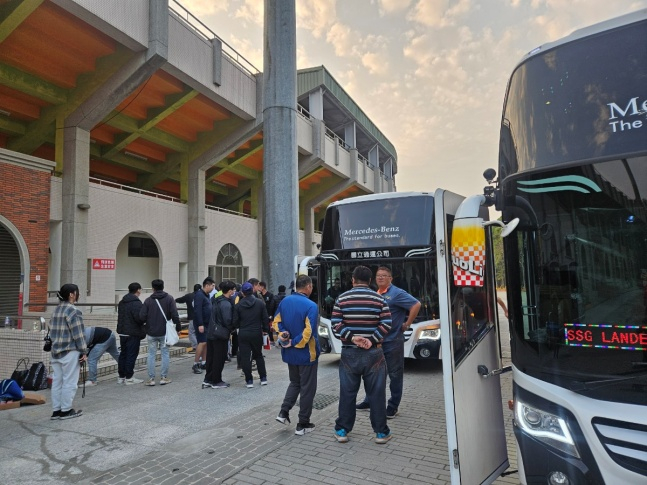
<point x="153" y="342"/>
<point x="65" y="380"/>
<point x="97" y="351"/>
<point x="128" y="356"/>
<point x="250" y="347"/>
<point x="192" y="338"/>
<point x="357" y="364"/>
<point x="303" y="381"/>
<point x="394" y="357"/>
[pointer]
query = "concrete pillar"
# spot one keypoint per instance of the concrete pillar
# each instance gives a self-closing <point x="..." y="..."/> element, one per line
<point x="350" y="135"/>
<point x="54" y="274"/>
<point x="197" y="269"/>
<point x="315" y="101"/>
<point x="280" y="162"/>
<point x="76" y="205"/>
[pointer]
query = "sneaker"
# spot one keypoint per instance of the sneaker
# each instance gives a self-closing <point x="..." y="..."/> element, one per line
<point x="70" y="414"/>
<point x="133" y="380"/>
<point x="206" y="385"/>
<point x="220" y="385"/>
<point x="203" y="365"/>
<point x="250" y="384"/>
<point x="150" y="382"/>
<point x="391" y="413"/>
<point x="263" y="381"/>
<point x="57" y="415"/>
<point x="165" y="380"/>
<point x="227" y="361"/>
<point x="381" y="438"/>
<point x="121" y="380"/>
<point x="303" y="428"/>
<point x="197" y="368"/>
<point x="91" y="383"/>
<point x="341" y="435"/>
<point x="283" y="417"/>
<point x="364" y="405"/>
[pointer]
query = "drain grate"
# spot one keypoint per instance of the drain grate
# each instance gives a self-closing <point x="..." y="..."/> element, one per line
<point x="323" y="400"/>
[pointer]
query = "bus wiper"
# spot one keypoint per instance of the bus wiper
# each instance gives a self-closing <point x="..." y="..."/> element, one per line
<point x="578" y="386"/>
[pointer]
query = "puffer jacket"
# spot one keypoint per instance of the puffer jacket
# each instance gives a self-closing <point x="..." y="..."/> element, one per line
<point x="128" y="321"/>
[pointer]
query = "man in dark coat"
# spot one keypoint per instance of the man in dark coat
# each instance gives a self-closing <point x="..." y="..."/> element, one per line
<point x="201" y="316"/>
<point x="188" y="300"/>
<point x="130" y="329"/>
<point x="270" y="305"/>
<point x="251" y="320"/>
<point x="157" y="309"/>
<point x="221" y="315"/>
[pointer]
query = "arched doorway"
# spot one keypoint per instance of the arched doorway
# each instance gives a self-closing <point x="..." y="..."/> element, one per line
<point x="137" y="259"/>
<point x="14" y="257"/>
<point x="229" y="265"/>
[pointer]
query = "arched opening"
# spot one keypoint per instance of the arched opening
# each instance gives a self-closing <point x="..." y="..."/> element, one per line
<point x="137" y="259"/>
<point x="14" y="258"/>
<point x="229" y="265"/>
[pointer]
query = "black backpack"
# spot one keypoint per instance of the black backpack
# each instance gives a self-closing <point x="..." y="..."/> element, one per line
<point x="37" y="378"/>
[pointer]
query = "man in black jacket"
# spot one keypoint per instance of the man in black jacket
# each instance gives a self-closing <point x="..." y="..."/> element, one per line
<point x="201" y="317"/>
<point x="221" y="315"/>
<point x="270" y="305"/>
<point x="250" y="317"/>
<point x="157" y="309"/>
<point x="131" y="331"/>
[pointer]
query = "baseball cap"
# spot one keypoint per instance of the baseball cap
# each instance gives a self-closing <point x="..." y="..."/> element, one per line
<point x="247" y="288"/>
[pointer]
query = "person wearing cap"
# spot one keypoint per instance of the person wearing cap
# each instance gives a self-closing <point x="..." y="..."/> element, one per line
<point x="251" y="320"/>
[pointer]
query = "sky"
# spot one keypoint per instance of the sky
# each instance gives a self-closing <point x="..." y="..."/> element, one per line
<point x="431" y="74"/>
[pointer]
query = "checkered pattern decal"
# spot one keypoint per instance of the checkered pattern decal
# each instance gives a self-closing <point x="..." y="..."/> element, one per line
<point x="468" y="252"/>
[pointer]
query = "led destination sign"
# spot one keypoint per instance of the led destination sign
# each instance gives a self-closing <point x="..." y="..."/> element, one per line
<point x="606" y="336"/>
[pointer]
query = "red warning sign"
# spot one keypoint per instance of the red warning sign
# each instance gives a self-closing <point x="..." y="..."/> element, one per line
<point x="103" y="264"/>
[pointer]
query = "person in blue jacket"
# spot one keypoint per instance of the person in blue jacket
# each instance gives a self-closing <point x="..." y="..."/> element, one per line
<point x="296" y="321"/>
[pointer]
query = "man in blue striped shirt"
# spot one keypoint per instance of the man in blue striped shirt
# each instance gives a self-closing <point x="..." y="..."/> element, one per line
<point x="362" y="319"/>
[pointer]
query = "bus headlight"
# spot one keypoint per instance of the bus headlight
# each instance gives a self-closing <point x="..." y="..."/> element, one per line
<point x="545" y="427"/>
<point x="430" y="334"/>
<point x="322" y="331"/>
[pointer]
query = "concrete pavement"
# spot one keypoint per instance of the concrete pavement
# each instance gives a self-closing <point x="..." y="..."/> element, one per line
<point x="181" y="434"/>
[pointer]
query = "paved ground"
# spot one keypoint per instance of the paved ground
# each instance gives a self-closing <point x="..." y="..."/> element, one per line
<point x="181" y="434"/>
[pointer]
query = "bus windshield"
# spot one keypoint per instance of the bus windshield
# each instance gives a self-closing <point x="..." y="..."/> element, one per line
<point x="579" y="260"/>
<point x="417" y="276"/>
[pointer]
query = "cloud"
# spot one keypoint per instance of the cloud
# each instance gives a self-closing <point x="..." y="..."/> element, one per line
<point x="343" y="39"/>
<point x="316" y="15"/>
<point x="203" y="8"/>
<point x="251" y="11"/>
<point x="375" y="63"/>
<point x="392" y="6"/>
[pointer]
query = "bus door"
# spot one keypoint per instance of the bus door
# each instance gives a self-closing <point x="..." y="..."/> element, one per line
<point x="469" y="346"/>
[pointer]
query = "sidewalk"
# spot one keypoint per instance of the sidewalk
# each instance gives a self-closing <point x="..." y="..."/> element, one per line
<point x="181" y="434"/>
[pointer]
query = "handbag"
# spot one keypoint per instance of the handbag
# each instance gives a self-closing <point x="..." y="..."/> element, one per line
<point x="19" y="375"/>
<point x="36" y="378"/>
<point x="171" y="334"/>
<point x="47" y="347"/>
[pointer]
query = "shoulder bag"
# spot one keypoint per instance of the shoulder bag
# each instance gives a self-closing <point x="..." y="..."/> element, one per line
<point x="216" y="329"/>
<point x="171" y="334"/>
<point x="19" y="375"/>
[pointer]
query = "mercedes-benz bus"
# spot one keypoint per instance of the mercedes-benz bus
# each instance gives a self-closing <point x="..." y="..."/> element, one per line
<point x="573" y="169"/>
<point x="394" y="229"/>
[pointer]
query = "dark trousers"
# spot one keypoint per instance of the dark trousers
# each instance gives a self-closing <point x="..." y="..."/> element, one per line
<point x="234" y="344"/>
<point x="303" y="381"/>
<point x="394" y="357"/>
<point x="127" y="356"/>
<point x="357" y="364"/>
<point x="216" y="355"/>
<point x="250" y="347"/>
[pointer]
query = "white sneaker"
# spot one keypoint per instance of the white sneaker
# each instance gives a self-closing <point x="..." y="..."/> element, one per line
<point x="91" y="383"/>
<point x="133" y="380"/>
<point x="121" y="380"/>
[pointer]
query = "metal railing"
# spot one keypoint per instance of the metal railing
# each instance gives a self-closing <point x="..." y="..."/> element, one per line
<point x="334" y="137"/>
<point x="128" y="188"/>
<point x="201" y="29"/>
<point x="303" y="112"/>
<point x="227" y="211"/>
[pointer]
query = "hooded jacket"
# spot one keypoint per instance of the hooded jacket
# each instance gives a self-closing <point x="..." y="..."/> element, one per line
<point x="128" y="321"/>
<point x="155" y="321"/>
<point x="250" y="316"/>
<point x="221" y="314"/>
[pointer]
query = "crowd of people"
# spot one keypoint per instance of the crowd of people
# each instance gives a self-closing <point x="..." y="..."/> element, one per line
<point x="232" y="321"/>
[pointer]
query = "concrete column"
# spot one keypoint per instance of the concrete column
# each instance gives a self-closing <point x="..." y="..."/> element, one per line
<point x="258" y="208"/>
<point x="76" y="205"/>
<point x="350" y="135"/>
<point x="315" y="101"/>
<point x="308" y="230"/>
<point x="280" y="163"/>
<point x="54" y="274"/>
<point x="197" y="269"/>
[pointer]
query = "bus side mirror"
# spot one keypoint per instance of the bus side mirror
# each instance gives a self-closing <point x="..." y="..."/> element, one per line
<point x="507" y="228"/>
